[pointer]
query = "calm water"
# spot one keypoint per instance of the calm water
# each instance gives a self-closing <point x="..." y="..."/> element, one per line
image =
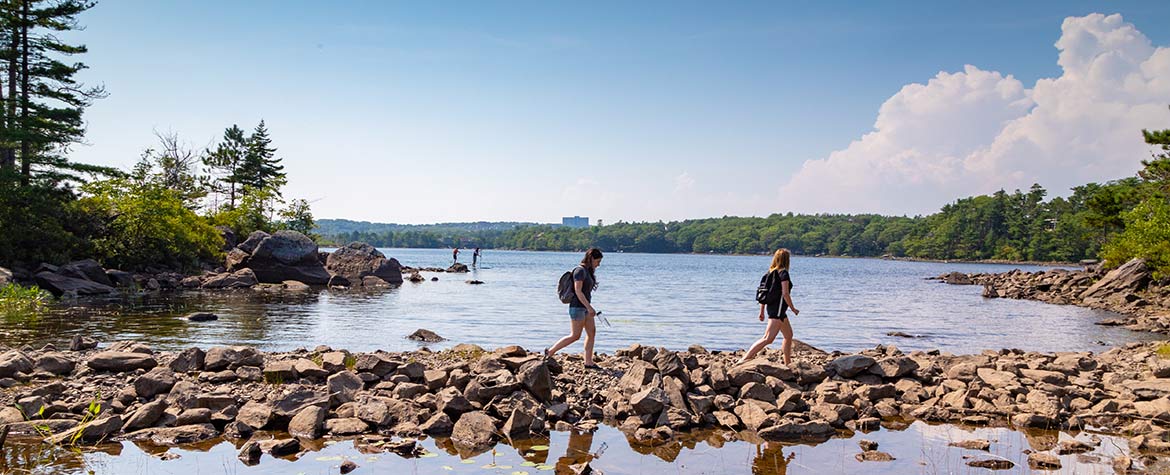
<point x="918" y="449"/>
<point x="667" y="300"/>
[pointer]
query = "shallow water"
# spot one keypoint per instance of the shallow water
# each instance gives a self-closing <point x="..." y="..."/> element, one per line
<point x="672" y="301"/>
<point x="918" y="448"/>
<point x="665" y="300"/>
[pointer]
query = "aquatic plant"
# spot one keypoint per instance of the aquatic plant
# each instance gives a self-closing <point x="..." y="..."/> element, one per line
<point x="19" y="299"/>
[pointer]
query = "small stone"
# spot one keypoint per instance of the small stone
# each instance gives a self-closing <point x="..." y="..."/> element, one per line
<point x="972" y="444"/>
<point x="202" y="317"/>
<point x="874" y="456"/>
<point x="867" y="445"/>
<point x="348" y="466"/>
<point x="1043" y="461"/>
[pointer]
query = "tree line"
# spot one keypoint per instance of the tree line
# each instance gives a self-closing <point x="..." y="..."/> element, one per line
<point x="168" y="212"/>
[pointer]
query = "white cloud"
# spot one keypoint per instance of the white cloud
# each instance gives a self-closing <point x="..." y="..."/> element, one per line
<point x="977" y="131"/>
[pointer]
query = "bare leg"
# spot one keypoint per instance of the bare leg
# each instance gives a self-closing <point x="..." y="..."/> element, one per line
<point x="786" y="330"/>
<point x="577" y="325"/>
<point x="590" y="332"/>
<point x="769" y="336"/>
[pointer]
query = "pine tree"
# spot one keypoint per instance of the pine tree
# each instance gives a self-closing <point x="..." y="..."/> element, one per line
<point x="42" y="110"/>
<point x="223" y="164"/>
<point x="261" y="170"/>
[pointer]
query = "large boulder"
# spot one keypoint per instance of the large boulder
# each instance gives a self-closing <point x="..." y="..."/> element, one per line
<point x="14" y="362"/>
<point x="1130" y="277"/>
<point x="120" y="362"/>
<point x="240" y="279"/>
<point x="288" y="255"/>
<point x="359" y="260"/>
<point x="87" y="269"/>
<point x="59" y="285"/>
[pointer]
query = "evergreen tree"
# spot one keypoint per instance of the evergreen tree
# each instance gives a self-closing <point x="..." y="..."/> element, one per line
<point x="260" y="168"/>
<point x="224" y="164"/>
<point x="42" y="112"/>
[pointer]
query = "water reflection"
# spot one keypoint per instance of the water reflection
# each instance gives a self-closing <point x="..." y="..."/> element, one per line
<point x="919" y="448"/>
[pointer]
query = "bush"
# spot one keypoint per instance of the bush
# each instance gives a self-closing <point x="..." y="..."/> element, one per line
<point x="144" y="224"/>
<point x="37" y="224"/>
<point x="1146" y="235"/>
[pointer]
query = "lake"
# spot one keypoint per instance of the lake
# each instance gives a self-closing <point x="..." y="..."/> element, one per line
<point x="666" y="300"/>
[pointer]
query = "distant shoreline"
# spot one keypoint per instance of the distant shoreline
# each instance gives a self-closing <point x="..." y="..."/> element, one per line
<point x="881" y="258"/>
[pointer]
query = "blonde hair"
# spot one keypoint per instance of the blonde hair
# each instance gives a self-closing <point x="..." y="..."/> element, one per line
<point x="780" y="260"/>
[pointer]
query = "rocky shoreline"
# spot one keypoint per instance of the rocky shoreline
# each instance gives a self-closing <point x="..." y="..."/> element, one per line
<point x="1129" y="290"/>
<point x="478" y="397"/>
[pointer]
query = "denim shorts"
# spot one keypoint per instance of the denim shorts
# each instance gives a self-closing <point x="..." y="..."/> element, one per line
<point x="577" y="314"/>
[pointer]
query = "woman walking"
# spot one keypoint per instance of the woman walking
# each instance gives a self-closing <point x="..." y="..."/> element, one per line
<point x="776" y="308"/>
<point x="581" y="312"/>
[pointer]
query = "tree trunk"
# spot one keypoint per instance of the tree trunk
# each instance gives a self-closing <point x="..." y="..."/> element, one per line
<point x="25" y="149"/>
<point x="9" y="152"/>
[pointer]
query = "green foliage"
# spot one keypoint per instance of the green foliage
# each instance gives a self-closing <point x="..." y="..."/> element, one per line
<point x="250" y="214"/>
<point x="23" y="300"/>
<point x="143" y="224"/>
<point x="39" y="224"/>
<point x="298" y="217"/>
<point x="1146" y="235"/>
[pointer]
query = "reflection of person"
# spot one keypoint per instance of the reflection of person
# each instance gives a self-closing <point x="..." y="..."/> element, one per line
<point x="455" y="255"/>
<point x="580" y="443"/>
<point x="770" y="459"/>
<point x="777" y="310"/>
<point x="581" y="312"/>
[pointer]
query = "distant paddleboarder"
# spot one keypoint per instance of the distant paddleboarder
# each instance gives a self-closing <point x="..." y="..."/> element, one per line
<point x="475" y="257"/>
<point x="455" y="256"/>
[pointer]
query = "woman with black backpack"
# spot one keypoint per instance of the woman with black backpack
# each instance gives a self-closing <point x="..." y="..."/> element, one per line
<point x="581" y="312"/>
<point x="774" y="296"/>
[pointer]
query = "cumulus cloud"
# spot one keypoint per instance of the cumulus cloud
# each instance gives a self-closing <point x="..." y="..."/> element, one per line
<point x="683" y="182"/>
<point x="977" y="131"/>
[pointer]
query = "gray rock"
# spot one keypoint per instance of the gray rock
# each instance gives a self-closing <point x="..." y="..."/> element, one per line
<point x="223" y="357"/>
<point x="59" y="285"/>
<point x="423" y="334"/>
<point x="438" y="425"/>
<point x="156" y="381"/>
<point x="240" y="279"/>
<point x="93" y="431"/>
<point x="287" y="255"/>
<point x="170" y="436"/>
<point x="295" y="401"/>
<point x="358" y="260"/>
<point x="82" y="343"/>
<point x="537" y="379"/>
<point x="145" y="416"/>
<point x="189" y="360"/>
<point x="255" y="414"/>
<point x="14" y="362"/>
<point x="119" y="362"/>
<point x="1130" y="277"/>
<point x="87" y="269"/>
<point x="202" y="317"/>
<point x="850" y="365"/>
<point x="343" y="387"/>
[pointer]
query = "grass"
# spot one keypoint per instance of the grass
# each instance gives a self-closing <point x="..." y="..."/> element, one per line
<point x="18" y="299"/>
<point x="318" y="360"/>
<point x="1163" y="350"/>
<point x="350" y="362"/>
<point x="274" y="379"/>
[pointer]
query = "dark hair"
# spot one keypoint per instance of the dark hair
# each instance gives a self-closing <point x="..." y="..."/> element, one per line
<point x="592" y="255"/>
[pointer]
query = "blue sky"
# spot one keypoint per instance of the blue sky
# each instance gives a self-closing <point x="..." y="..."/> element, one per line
<point x="428" y="112"/>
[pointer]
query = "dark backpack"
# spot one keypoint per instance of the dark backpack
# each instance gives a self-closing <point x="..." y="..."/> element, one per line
<point x="565" y="289"/>
<point x="769" y="290"/>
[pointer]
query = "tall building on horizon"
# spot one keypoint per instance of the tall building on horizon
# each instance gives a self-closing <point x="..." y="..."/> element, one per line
<point x="575" y="221"/>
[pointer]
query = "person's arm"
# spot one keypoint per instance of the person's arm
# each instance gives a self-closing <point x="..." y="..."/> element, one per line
<point x="761" y="312"/>
<point x="577" y="286"/>
<point x="785" y="286"/>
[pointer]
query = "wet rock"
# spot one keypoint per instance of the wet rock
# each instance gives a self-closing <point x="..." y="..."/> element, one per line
<point x="307" y="422"/>
<point x="59" y="285"/>
<point x="1043" y="461"/>
<point x="119" y="362"/>
<point x="518" y="423"/>
<point x="295" y="401"/>
<point x="82" y="343"/>
<point x="94" y="431"/>
<point x="240" y="279"/>
<point x="283" y="447"/>
<point x="202" y="317"/>
<point x="648" y="401"/>
<point x="156" y="381"/>
<point x="752" y="416"/>
<point x="250" y="453"/>
<point x="874" y="456"/>
<point x="348" y="466"/>
<point x="338" y="281"/>
<point x="972" y="444"/>
<point x="375" y="413"/>
<point x="474" y="430"/>
<point x="957" y="278"/>
<point x="867" y="445"/>
<point x="457" y="267"/>
<point x="199" y="415"/>
<point x="991" y="463"/>
<point x="791" y="430"/>
<point x="425" y="335"/>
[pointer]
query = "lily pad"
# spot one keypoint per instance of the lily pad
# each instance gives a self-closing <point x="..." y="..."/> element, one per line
<point x="545" y="467"/>
<point x="540" y="448"/>
<point x="329" y="458"/>
<point x="528" y="463"/>
<point x="428" y="455"/>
